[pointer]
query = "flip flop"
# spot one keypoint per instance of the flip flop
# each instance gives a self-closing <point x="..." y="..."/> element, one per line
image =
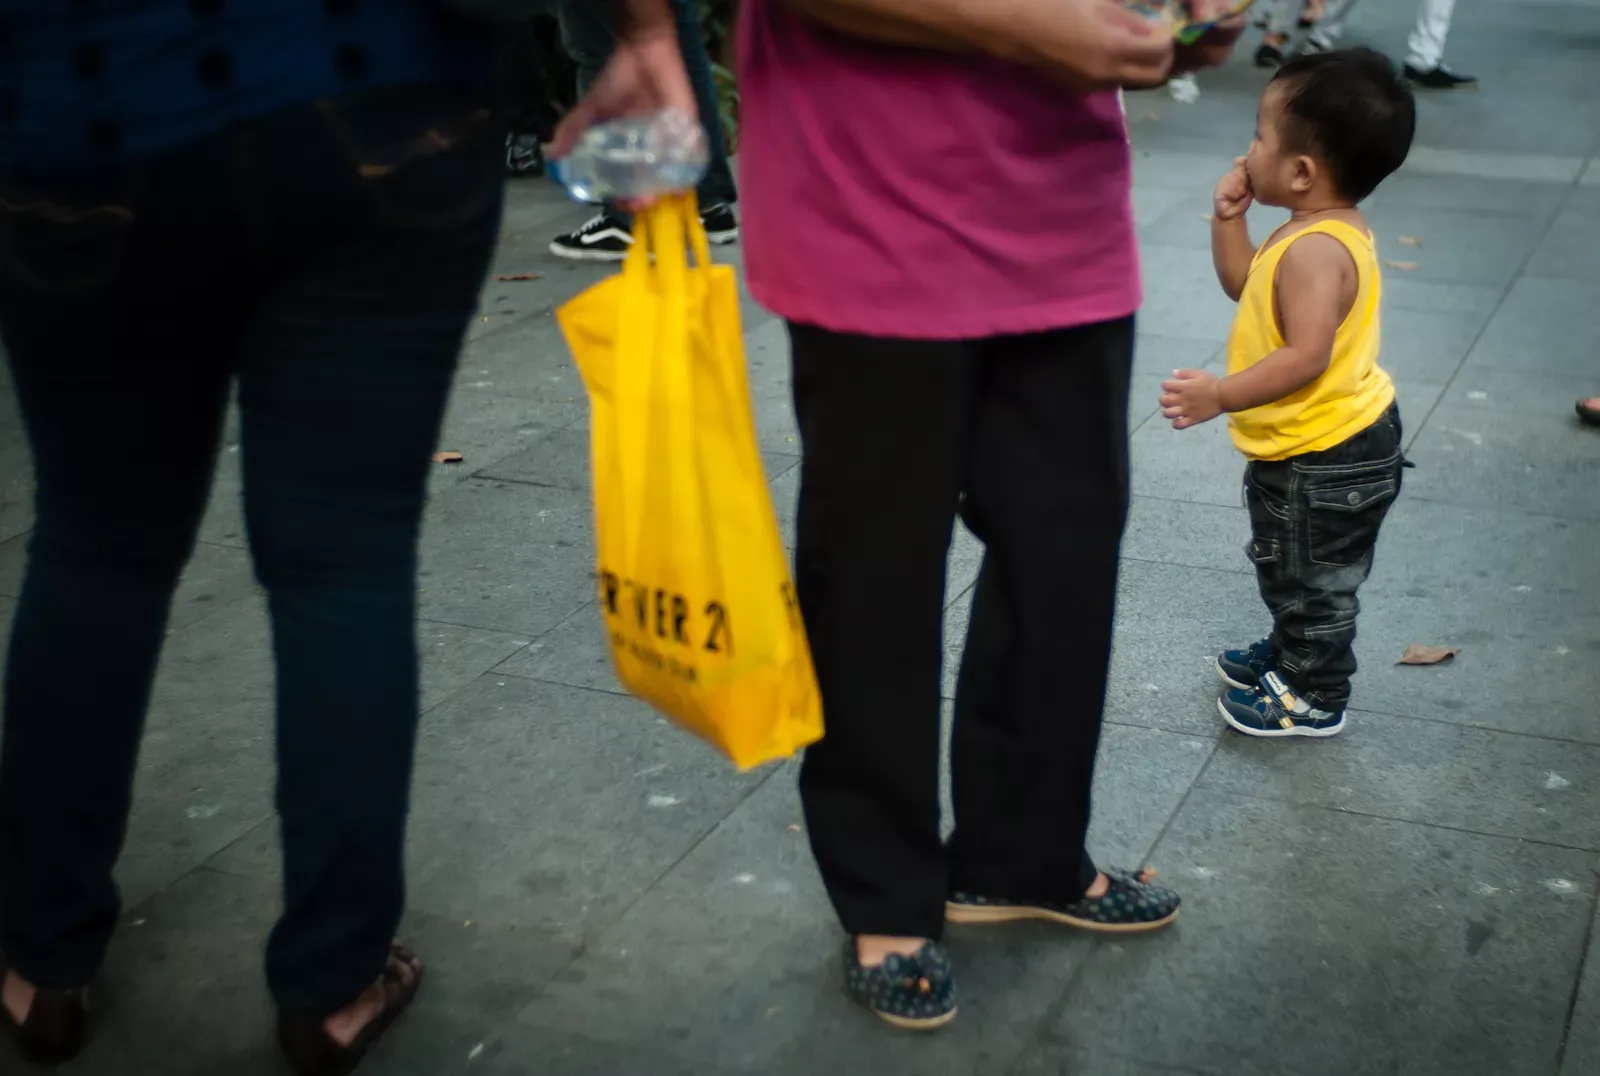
<point x="313" y="1052"/>
<point x="57" y="1027"/>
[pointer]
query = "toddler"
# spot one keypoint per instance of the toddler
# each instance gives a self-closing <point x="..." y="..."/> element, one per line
<point x="1308" y="404"/>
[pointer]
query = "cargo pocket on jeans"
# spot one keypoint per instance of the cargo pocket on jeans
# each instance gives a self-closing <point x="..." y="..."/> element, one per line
<point x="1262" y="551"/>
<point x="1343" y="521"/>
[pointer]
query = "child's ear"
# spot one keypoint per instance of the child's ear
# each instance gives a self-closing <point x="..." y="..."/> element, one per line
<point x="1305" y="174"/>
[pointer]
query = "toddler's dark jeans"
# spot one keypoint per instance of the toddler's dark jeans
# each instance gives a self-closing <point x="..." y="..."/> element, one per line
<point x="1314" y="522"/>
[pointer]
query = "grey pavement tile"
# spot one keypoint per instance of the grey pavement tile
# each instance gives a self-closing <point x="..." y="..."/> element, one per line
<point x="1427" y="345"/>
<point x="8" y="612"/>
<point x="1144" y="400"/>
<point x="1543" y="325"/>
<point x="1585" y="198"/>
<point x="1458" y="246"/>
<point x="453" y="656"/>
<point x="1507" y="588"/>
<point x="1141" y="777"/>
<point x="1474" y="456"/>
<point x="560" y="459"/>
<point x="1195" y="535"/>
<point x="487" y="428"/>
<point x="1424" y="951"/>
<point x="1157" y="356"/>
<point x="733" y="963"/>
<point x="507" y="556"/>
<point x="767" y="360"/>
<point x="183" y="990"/>
<point x="574" y="652"/>
<point x="1416" y="400"/>
<point x="1181" y="294"/>
<point x="1547" y="394"/>
<point x="1582" y="1054"/>
<point x="13" y="559"/>
<point x="1062" y="1059"/>
<point x="1503" y="121"/>
<point x="527" y="358"/>
<point x="1427" y="771"/>
<point x="1571" y="250"/>
<point x="1150" y="204"/>
<point x="1412" y="189"/>
<point x="1198" y="464"/>
<point x="957" y="618"/>
<point x="1172" y="622"/>
<point x="16" y="467"/>
<point x="1156" y="167"/>
<point x="1188" y="223"/>
<point x="205" y="771"/>
<point x="554" y="808"/>
<point x="543" y="809"/>
<point x="1404" y="292"/>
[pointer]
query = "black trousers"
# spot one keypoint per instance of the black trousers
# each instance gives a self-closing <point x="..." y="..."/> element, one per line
<point x="1025" y="437"/>
<point x="1314" y="522"/>
<point x="327" y="260"/>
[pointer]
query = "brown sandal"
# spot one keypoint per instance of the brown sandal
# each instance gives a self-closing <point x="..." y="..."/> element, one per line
<point x="313" y="1052"/>
<point x="57" y="1026"/>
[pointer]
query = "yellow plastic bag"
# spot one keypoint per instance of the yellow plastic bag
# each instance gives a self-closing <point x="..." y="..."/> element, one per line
<point x="694" y="582"/>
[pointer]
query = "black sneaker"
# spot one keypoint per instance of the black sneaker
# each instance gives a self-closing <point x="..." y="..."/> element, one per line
<point x="524" y="156"/>
<point x="1441" y="78"/>
<point x="720" y="223"/>
<point x="1132" y="904"/>
<point x="606" y="238"/>
<point x="1243" y="669"/>
<point x="1273" y="711"/>
<point x="916" y="993"/>
<point x="1269" y="56"/>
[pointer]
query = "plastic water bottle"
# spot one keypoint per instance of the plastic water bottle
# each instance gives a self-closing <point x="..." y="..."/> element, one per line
<point x="636" y="157"/>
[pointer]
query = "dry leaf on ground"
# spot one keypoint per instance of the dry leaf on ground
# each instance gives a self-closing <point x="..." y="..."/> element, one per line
<point x="520" y="276"/>
<point x="1418" y="654"/>
<point x="1405" y="267"/>
<point x="1410" y="241"/>
<point x="448" y="457"/>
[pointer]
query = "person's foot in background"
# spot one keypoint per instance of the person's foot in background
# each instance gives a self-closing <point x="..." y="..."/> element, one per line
<point x="524" y="155"/>
<point x="1589" y="411"/>
<point x="1440" y="77"/>
<point x="608" y="236"/>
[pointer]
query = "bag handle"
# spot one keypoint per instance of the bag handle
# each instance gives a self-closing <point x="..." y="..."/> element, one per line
<point x="659" y="235"/>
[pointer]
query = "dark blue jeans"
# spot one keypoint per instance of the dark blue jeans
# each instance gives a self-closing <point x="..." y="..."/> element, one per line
<point x="327" y="260"/>
<point x="589" y="32"/>
<point x="1314" y="523"/>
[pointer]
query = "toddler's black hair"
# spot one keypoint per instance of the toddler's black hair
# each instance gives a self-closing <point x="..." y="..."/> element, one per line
<point x="1351" y="109"/>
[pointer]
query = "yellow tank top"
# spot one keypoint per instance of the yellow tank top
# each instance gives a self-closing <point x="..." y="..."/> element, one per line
<point x="1351" y="394"/>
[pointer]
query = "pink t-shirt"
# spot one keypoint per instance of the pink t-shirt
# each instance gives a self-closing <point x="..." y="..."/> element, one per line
<point x="903" y="193"/>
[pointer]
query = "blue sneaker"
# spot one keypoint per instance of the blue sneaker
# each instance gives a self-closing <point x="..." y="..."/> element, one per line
<point x="1273" y="711"/>
<point x="1243" y="668"/>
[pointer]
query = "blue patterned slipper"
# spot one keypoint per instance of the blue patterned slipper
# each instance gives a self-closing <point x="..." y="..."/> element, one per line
<point x="1132" y="905"/>
<point x="917" y="993"/>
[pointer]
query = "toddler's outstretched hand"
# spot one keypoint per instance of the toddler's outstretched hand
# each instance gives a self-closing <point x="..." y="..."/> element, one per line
<point x="1190" y="398"/>
<point x="1233" y="195"/>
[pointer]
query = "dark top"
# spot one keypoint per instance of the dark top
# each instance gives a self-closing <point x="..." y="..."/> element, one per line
<point x="100" y="80"/>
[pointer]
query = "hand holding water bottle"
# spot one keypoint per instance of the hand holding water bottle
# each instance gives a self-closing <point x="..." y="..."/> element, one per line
<point x="645" y="77"/>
